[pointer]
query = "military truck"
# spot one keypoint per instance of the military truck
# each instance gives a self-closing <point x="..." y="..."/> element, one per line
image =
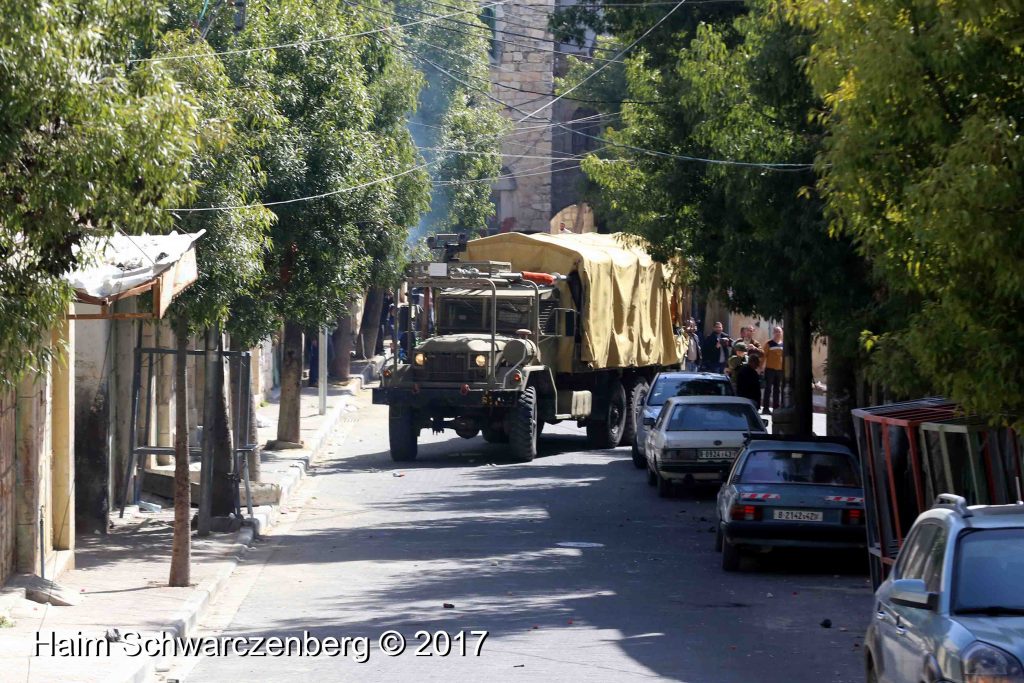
<point x="514" y="331"/>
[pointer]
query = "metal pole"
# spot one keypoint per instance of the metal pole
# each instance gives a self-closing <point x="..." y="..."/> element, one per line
<point x="322" y="370"/>
<point x="129" y="465"/>
<point x="42" y="542"/>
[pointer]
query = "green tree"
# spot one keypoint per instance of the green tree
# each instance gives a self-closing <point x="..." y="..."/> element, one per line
<point x="342" y="175"/>
<point x="922" y="168"/>
<point x="457" y="126"/>
<point x="706" y="161"/>
<point x="88" y="145"/>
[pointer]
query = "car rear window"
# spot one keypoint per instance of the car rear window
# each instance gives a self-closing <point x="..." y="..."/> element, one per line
<point x="799" y="467"/>
<point x="666" y="387"/>
<point x="715" y="417"/>
<point x="988" y="571"/>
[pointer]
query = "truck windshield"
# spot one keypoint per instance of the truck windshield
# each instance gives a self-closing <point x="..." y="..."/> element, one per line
<point x="473" y="314"/>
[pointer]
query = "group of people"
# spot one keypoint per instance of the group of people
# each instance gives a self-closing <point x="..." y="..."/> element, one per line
<point x="746" y="361"/>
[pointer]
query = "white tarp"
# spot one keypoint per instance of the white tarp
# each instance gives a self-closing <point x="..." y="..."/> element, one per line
<point x="110" y="266"/>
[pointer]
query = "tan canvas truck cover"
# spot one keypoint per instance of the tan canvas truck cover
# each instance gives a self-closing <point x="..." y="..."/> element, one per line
<point x="627" y="316"/>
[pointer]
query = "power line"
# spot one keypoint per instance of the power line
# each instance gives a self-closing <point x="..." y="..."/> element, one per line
<point x="342" y="190"/>
<point x="605" y="65"/>
<point x="311" y="41"/>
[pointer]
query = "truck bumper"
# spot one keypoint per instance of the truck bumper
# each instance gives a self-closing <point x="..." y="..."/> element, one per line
<point x="434" y="399"/>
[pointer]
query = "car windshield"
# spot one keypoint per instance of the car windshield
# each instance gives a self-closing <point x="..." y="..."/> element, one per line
<point x="988" y="571"/>
<point x="714" y="417"/>
<point x="473" y="314"/>
<point x="799" y="467"/>
<point x="667" y="387"/>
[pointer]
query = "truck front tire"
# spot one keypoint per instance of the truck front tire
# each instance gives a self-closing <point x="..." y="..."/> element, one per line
<point x="402" y="433"/>
<point x="492" y="435"/>
<point x="522" y="427"/>
<point x="606" y="431"/>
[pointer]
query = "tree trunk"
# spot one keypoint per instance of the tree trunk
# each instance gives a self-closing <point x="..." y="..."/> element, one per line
<point x="842" y="387"/>
<point x="291" y="384"/>
<point x="343" y="348"/>
<point x="803" y="373"/>
<point x="338" y="367"/>
<point x="224" y="489"/>
<point x="206" y="472"/>
<point x="369" y="329"/>
<point x="181" y="546"/>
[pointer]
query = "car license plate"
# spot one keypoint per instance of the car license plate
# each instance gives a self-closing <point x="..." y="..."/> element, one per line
<point x="797" y="515"/>
<point x="715" y="454"/>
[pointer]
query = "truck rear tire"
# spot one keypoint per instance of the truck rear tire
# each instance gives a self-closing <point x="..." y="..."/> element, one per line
<point x="606" y="431"/>
<point x="522" y="426"/>
<point x="635" y="399"/>
<point x="402" y="433"/>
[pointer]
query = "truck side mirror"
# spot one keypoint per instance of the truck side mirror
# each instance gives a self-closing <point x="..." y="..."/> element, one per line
<point x="649" y="421"/>
<point x="565" y="322"/>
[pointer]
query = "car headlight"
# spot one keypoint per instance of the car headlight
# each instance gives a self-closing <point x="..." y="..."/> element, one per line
<point x="480" y="360"/>
<point x="419" y="359"/>
<point x="984" y="663"/>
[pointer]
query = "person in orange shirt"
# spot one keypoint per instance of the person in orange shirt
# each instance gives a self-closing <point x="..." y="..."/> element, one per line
<point x="773" y="355"/>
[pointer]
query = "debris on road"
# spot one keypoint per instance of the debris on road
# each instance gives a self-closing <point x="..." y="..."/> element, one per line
<point x="826" y="623"/>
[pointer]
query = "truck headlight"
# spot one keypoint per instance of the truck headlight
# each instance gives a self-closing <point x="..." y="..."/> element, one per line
<point x="419" y="359"/>
<point x="984" y="663"/>
<point x="480" y="360"/>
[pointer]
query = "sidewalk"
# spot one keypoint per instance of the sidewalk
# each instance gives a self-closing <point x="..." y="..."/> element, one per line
<point x="121" y="578"/>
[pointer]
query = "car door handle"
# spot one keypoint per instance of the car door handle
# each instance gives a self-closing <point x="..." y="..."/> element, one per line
<point x="900" y="631"/>
<point x="880" y="616"/>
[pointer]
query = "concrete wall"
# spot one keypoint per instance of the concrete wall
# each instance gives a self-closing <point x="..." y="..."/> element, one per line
<point x="93" y="438"/>
<point x="7" y="480"/>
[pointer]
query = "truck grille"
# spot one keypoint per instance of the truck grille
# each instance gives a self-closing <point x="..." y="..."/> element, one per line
<point x="446" y="366"/>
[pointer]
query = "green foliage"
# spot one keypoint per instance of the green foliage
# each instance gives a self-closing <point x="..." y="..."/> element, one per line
<point x="922" y="168"/>
<point x="343" y="103"/>
<point x="87" y="146"/>
<point x="732" y="89"/>
<point x="456" y="125"/>
<point x="234" y="124"/>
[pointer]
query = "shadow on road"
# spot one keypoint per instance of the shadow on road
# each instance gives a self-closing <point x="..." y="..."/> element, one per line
<point x="487" y="541"/>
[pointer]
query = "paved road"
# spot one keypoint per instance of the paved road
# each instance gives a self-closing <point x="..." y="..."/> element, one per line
<point x="381" y="547"/>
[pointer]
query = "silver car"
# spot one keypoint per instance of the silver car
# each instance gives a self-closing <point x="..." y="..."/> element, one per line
<point x="695" y="439"/>
<point x="952" y="609"/>
<point x="665" y="386"/>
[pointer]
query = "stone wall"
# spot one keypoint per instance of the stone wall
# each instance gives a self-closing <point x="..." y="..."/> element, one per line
<point x="524" y="199"/>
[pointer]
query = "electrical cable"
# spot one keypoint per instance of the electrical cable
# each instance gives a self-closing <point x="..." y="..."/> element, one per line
<point x="605" y="65"/>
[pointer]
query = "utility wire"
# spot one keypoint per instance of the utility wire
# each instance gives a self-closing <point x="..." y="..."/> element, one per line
<point x="605" y="65"/>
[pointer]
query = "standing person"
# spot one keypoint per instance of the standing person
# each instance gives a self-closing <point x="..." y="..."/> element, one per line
<point x="748" y="380"/>
<point x="715" y="349"/>
<point x="773" y="355"/>
<point x="747" y="337"/>
<point x="693" y="354"/>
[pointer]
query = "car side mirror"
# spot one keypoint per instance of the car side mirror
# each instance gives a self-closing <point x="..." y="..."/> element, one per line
<point x="649" y="421"/>
<point x="912" y="593"/>
<point x="565" y="322"/>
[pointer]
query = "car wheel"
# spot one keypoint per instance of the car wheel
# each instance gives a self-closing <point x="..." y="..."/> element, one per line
<point x="664" y="487"/>
<point x="402" y="433"/>
<point x="652" y="478"/>
<point x="718" y="539"/>
<point x="639" y="459"/>
<point x="730" y="556"/>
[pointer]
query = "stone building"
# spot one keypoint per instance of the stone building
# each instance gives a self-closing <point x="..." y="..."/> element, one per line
<point x="541" y="178"/>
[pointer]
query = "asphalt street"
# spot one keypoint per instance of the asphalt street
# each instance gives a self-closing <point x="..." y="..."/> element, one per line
<point x="571" y="563"/>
